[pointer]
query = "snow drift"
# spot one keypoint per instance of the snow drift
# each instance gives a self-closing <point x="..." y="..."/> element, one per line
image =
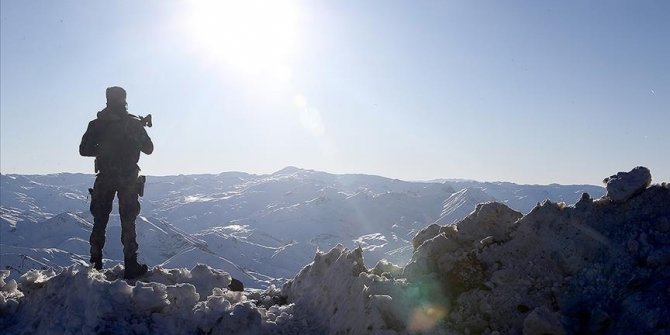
<point x="600" y="266"/>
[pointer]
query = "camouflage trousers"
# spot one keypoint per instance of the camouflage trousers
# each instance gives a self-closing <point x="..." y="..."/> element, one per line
<point x="102" y="198"/>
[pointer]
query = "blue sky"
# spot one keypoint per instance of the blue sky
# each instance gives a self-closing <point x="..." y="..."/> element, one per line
<point x="522" y="91"/>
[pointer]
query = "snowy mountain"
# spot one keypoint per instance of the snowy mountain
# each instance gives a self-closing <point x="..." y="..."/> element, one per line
<point x="37" y="198"/>
<point x="525" y="197"/>
<point x="601" y="266"/>
<point x="260" y="228"/>
<point x="461" y="203"/>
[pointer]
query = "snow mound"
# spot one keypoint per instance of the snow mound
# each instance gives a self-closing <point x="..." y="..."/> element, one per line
<point x="336" y="294"/>
<point x="86" y="301"/>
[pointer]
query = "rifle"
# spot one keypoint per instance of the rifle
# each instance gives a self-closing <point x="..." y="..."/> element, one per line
<point x="145" y="120"/>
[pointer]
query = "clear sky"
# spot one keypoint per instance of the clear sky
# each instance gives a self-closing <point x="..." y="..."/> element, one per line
<point x="522" y="91"/>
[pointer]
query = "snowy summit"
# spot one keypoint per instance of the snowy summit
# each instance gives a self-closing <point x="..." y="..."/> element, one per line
<point x="495" y="271"/>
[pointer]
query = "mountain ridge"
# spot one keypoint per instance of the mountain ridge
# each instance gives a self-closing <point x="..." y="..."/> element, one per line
<point x="598" y="266"/>
<point x="281" y="219"/>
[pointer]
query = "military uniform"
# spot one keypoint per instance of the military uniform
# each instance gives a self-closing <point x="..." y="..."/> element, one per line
<point x="116" y="139"/>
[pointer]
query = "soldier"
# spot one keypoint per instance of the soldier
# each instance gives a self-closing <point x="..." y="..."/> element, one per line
<point x="115" y="139"/>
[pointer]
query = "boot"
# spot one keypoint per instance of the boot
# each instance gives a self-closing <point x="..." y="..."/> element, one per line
<point x="133" y="268"/>
<point x="96" y="262"/>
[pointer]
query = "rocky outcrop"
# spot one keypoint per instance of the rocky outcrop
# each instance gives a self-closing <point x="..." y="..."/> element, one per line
<point x="490" y="221"/>
<point x="623" y="185"/>
<point x="599" y="267"/>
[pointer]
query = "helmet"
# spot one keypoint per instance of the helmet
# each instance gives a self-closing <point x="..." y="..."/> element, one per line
<point x="116" y="95"/>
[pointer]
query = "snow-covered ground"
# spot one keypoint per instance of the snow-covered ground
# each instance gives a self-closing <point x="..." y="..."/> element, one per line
<point x="261" y="229"/>
<point x="601" y="266"/>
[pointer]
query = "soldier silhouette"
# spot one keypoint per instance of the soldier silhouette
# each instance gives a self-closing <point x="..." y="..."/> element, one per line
<point x="116" y="138"/>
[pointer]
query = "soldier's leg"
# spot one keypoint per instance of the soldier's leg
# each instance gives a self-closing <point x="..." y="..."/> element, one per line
<point x="101" y="205"/>
<point x="129" y="208"/>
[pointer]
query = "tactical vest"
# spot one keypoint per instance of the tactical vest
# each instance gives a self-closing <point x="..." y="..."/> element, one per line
<point x="119" y="142"/>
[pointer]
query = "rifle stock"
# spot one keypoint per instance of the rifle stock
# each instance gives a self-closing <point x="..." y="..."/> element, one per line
<point x="145" y="120"/>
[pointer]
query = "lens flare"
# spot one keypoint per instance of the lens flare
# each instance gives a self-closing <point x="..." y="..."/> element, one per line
<point x="424" y="318"/>
<point x="428" y="296"/>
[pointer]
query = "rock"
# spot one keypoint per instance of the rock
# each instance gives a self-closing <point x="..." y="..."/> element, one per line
<point x="584" y="202"/>
<point x="425" y="234"/>
<point x="488" y="219"/>
<point x="425" y="258"/>
<point x="488" y="240"/>
<point x="386" y="267"/>
<point x="542" y="321"/>
<point x="624" y="185"/>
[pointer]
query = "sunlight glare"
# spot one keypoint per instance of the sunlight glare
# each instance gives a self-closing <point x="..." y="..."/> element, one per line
<point x="251" y="36"/>
<point x="310" y="119"/>
<point x="300" y="101"/>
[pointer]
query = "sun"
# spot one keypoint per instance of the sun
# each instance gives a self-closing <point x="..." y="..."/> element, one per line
<point x="250" y="35"/>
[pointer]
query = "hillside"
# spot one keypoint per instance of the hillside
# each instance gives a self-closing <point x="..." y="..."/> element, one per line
<point x="263" y="228"/>
<point x="600" y="266"/>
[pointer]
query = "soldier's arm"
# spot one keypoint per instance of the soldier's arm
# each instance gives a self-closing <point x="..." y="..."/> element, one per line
<point x="89" y="146"/>
<point x="146" y="146"/>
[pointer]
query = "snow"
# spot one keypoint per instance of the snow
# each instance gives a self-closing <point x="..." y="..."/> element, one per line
<point x="170" y="302"/>
<point x="599" y="266"/>
<point x="461" y="203"/>
<point x="523" y="198"/>
<point x="261" y="227"/>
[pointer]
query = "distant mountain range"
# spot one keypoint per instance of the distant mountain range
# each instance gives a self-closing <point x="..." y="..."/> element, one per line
<point x="260" y="228"/>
